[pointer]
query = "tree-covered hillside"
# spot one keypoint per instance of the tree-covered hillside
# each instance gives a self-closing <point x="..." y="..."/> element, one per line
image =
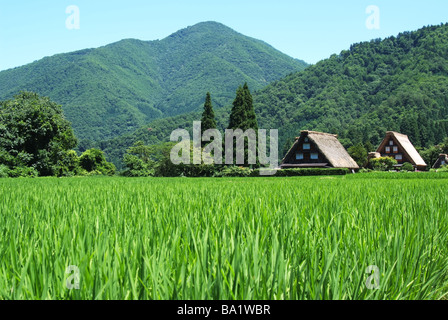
<point x="116" y="89"/>
<point x="399" y="83"/>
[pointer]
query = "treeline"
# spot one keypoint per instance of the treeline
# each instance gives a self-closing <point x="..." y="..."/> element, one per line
<point x="36" y="140"/>
<point x="142" y="160"/>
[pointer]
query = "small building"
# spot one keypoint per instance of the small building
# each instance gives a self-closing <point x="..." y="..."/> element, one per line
<point x="373" y="155"/>
<point x="317" y="150"/>
<point x="442" y="161"/>
<point x="399" y="147"/>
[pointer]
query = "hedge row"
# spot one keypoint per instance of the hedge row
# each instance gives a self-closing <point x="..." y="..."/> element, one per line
<point x="306" y="172"/>
<point x="246" y="172"/>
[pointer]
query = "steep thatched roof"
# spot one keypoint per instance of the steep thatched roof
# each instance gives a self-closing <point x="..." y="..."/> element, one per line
<point x="408" y="148"/>
<point x="330" y="147"/>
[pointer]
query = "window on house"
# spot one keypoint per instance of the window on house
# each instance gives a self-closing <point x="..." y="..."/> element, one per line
<point x="395" y="149"/>
<point x="306" y="139"/>
<point x="299" y="156"/>
<point x="399" y="157"/>
<point x="314" y="156"/>
<point x="387" y="149"/>
<point x="306" y="146"/>
<point x="443" y="162"/>
<point x="391" y="142"/>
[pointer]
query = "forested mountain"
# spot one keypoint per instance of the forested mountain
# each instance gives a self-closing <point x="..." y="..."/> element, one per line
<point x="116" y="89"/>
<point x="399" y="83"/>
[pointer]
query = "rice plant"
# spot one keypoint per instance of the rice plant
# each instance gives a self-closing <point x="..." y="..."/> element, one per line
<point x="229" y="238"/>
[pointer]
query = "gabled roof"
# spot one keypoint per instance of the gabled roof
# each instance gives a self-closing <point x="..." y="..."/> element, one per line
<point x="330" y="147"/>
<point x="408" y="148"/>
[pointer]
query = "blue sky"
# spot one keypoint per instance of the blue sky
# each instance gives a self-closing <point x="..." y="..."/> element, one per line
<point x="309" y="30"/>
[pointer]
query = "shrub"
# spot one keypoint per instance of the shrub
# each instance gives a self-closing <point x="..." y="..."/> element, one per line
<point x="233" y="171"/>
<point x="23" y="172"/>
<point x="200" y="170"/>
<point x="382" y="163"/>
<point x="108" y="168"/>
<point x="67" y="165"/>
<point x="94" y="173"/>
<point x="407" y="167"/>
<point x="359" y="154"/>
<point x="4" y="171"/>
<point x="18" y="172"/>
<point x="94" y="160"/>
<point x="138" y="161"/>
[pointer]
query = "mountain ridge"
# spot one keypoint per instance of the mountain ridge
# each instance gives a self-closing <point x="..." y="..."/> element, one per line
<point x="115" y="89"/>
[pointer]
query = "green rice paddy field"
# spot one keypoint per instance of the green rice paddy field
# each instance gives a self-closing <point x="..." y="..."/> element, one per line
<point x="228" y="238"/>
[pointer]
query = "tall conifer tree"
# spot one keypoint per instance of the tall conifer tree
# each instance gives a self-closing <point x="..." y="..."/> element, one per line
<point x="243" y="114"/>
<point x="208" y="116"/>
<point x="238" y="113"/>
<point x="251" y="117"/>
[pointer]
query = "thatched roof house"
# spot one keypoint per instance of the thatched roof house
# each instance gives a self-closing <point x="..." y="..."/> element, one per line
<point x="398" y="146"/>
<point x="317" y="150"/>
<point x="442" y="161"/>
